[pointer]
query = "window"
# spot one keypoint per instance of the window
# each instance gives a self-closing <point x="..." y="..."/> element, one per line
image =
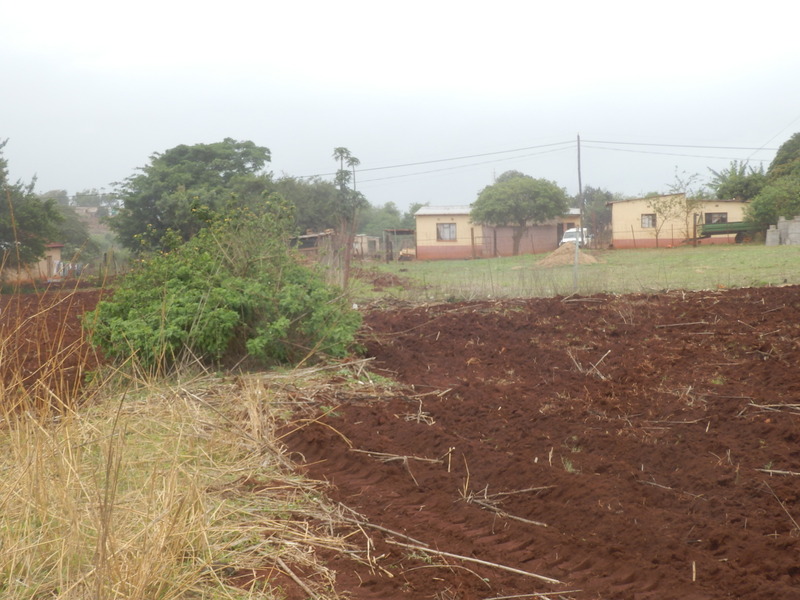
<point x="445" y="232"/>
<point x="649" y="221"/>
<point x="716" y="218"/>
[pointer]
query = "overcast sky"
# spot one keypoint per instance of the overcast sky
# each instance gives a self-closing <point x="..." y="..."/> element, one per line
<point x="91" y="89"/>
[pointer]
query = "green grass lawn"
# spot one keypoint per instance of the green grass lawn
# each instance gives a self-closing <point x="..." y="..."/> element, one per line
<point x="617" y="271"/>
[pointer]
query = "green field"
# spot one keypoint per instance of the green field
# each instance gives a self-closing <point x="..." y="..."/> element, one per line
<point x="617" y="271"/>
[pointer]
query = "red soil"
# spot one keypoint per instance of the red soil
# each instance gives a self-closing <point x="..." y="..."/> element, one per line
<point x="636" y="447"/>
<point x="633" y="447"/>
<point x="43" y="353"/>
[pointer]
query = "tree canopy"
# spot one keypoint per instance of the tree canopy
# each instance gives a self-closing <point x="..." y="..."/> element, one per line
<point x="173" y="196"/>
<point x="780" y="195"/>
<point x="27" y="222"/>
<point x="779" y="198"/>
<point x="518" y="200"/>
<point x="787" y="159"/>
<point x="314" y="199"/>
<point x="738" y="181"/>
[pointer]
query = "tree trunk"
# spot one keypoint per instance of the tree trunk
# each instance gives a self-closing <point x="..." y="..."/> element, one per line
<point x="516" y="238"/>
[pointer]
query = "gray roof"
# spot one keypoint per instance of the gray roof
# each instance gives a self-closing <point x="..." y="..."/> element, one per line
<point x="465" y="210"/>
<point x="443" y="210"/>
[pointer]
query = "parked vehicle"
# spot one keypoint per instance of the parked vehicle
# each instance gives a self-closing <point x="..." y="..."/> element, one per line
<point x="581" y="236"/>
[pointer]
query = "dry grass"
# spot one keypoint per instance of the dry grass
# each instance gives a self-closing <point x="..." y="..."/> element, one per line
<point x="175" y="492"/>
<point x="141" y="489"/>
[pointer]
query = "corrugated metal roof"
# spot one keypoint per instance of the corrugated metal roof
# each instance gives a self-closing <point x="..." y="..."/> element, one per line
<point x="442" y="210"/>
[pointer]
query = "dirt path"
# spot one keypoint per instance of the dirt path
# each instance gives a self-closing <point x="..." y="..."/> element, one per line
<point x="629" y="447"/>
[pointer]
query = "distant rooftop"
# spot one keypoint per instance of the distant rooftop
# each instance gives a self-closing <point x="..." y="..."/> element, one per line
<point x="465" y="210"/>
<point x="443" y="210"/>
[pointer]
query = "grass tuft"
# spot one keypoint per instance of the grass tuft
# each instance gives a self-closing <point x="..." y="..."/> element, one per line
<point x="163" y="493"/>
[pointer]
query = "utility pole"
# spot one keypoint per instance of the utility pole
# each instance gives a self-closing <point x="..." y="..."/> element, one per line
<point x="579" y="238"/>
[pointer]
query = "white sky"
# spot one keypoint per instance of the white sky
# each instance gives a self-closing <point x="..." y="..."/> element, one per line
<point x="90" y="89"/>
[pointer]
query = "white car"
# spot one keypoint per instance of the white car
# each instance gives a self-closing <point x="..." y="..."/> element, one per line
<point x="576" y="235"/>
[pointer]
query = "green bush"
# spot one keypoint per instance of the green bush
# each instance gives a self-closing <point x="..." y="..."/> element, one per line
<point x="234" y="291"/>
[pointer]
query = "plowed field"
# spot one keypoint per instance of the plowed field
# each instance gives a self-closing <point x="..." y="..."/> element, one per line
<point x="631" y="447"/>
<point x="43" y="352"/>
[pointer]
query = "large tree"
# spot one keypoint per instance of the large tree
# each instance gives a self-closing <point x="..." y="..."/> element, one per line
<point x="519" y="200"/>
<point x="173" y="197"/>
<point x="780" y="196"/>
<point x="314" y="200"/>
<point x="787" y="159"/>
<point x="27" y="222"/>
<point x="373" y="220"/>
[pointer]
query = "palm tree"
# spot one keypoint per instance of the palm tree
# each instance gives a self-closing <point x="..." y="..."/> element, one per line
<point x="350" y="201"/>
<point x="353" y="162"/>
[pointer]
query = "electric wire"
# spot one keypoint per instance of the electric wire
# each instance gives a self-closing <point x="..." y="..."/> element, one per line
<point x="485" y="162"/>
<point x="554" y="147"/>
<point x="681" y="154"/>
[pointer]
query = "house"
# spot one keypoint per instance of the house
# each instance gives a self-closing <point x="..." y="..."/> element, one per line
<point x="45" y="270"/>
<point x="670" y="220"/>
<point x="447" y="232"/>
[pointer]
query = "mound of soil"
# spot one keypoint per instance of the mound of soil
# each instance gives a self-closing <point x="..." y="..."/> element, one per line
<point x="636" y="447"/>
<point x="565" y="255"/>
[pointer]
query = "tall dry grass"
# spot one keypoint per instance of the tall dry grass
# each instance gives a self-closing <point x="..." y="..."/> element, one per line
<point x="145" y="490"/>
<point x="44" y="358"/>
<point x="160" y="494"/>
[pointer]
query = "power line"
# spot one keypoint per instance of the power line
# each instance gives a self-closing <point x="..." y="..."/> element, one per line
<point x="678" y="145"/>
<point x="485" y="162"/>
<point x="440" y="160"/>
<point x="671" y="153"/>
<point x="561" y="145"/>
<point x="428" y="162"/>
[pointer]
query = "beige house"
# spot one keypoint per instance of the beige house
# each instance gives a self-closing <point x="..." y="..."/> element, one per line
<point x="46" y="269"/>
<point x="447" y="232"/>
<point x="670" y="220"/>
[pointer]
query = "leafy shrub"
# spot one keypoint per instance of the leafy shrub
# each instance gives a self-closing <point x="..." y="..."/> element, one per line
<point x="235" y="290"/>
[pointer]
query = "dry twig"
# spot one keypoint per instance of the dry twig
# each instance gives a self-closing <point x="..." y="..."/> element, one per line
<point x="295" y="578"/>
<point x="783" y="506"/>
<point x="502" y="513"/>
<point x="479" y="561"/>
<point x="777" y="472"/>
<point x="683" y="324"/>
<point x="384" y="457"/>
